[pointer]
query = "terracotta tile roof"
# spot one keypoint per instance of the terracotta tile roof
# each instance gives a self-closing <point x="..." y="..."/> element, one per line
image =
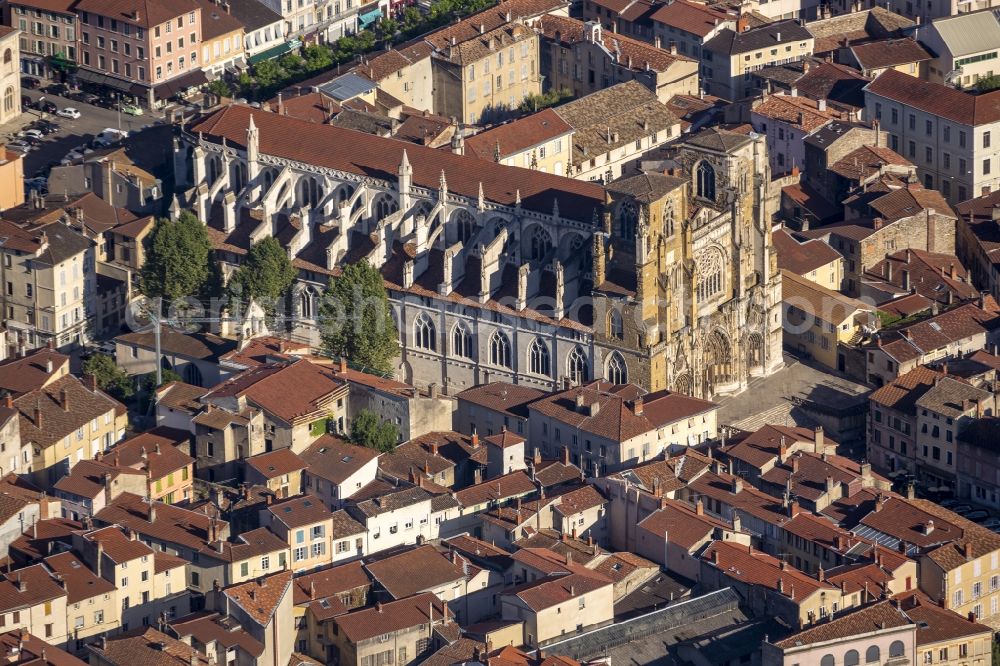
<point x="155" y="451"/>
<point x="299" y="511"/>
<point x="503" y="397"/>
<point x="60" y="6"/>
<point x="763" y="446"/>
<point x="889" y="53"/>
<point x="480" y="45"/>
<point x="393" y="616"/>
<point x="821" y="531"/>
<point x="289" y="391"/>
<point x="30" y="586"/>
<point x="501" y="488"/>
<point x="936" y="624"/>
<point x="912" y="523"/>
<point x="937" y="99"/>
<point x="619" y="566"/>
<point x="802" y="258"/>
<point x="551" y="473"/>
<point x="879" y="616"/>
<point x="379" y="497"/>
<point x="145" y="13"/>
<point x="420" y="569"/>
<point x="276" y="463"/>
<point x="912" y="341"/>
<point x="260" y="598"/>
<point x="601" y="409"/>
<point x="848" y="511"/>
<point x="549" y="543"/>
<point x="431" y="453"/>
<point x="60" y="417"/>
<point x="33" y="651"/>
<point x="976" y="540"/>
<point x="721" y="487"/>
<point x="866" y="161"/>
<point x="863" y="576"/>
<point x="379" y="158"/>
<point x="207" y="627"/>
<point x="807" y="474"/>
<point x="180" y="396"/>
<point x="330" y="582"/>
<point x="906" y="306"/>
<point x="118" y="547"/>
<point x="909" y="201"/>
<point x="81" y="582"/>
<point x="86" y="478"/>
<point x="30" y="373"/>
<point x="479" y="551"/>
<point x="682" y="524"/>
<point x="934" y="275"/>
<point x="171" y="523"/>
<point x="314" y="107"/>
<point x="263" y="350"/>
<point x="336" y="460"/>
<point x="518" y="135"/>
<point x="34" y="545"/>
<point x="557" y="589"/>
<point x="903" y="392"/>
<point x="344" y="526"/>
<point x="835" y="82"/>
<point x="380" y="66"/>
<point x="577" y="501"/>
<point x="552" y="563"/>
<point x="145" y="645"/>
<point x="801" y="113"/>
<point x="570" y="31"/>
<point x="754" y="567"/>
<point x="693" y="17"/>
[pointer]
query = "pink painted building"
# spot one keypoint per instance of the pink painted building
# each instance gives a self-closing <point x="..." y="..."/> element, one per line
<point x="144" y="49"/>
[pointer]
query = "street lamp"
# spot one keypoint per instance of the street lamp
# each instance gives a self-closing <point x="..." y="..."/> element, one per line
<point x="41" y="108"/>
<point x="119" y="107"/>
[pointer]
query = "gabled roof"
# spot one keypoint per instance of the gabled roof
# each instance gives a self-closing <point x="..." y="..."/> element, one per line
<point x="518" y="135"/>
<point x="155" y="451"/>
<point x="420" y="569"/>
<point x="681" y="524"/>
<point x="260" y="598"/>
<point x="393" y="616"/>
<point x="118" y="547"/>
<point x="805" y="257"/>
<point x="889" y="53"/>
<point x="504" y="397"/>
<point x="207" y="627"/>
<point x="515" y="484"/>
<point x="937" y="99"/>
<point x="693" y="17"/>
<point x="276" y="463"/>
<point x="81" y="582"/>
<point x="299" y="511"/>
<point x="147" y="646"/>
<point x="772" y="34"/>
<point x="969" y="33"/>
<point x="753" y="567"/>
<point x="27" y="587"/>
<point x="64" y="406"/>
<point x="375" y="157"/>
<point x="334" y="459"/>
<point x="877" y="617"/>
<point x="20" y="375"/>
<point x="557" y="589"/>
<point x="200" y="346"/>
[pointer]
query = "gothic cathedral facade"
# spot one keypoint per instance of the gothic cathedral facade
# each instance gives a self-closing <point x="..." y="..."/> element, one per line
<point x="687" y="291"/>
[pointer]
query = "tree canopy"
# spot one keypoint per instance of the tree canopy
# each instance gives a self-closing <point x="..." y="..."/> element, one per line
<point x="109" y="376"/>
<point x="368" y="429"/>
<point x="355" y="319"/>
<point x="265" y="276"/>
<point x="177" y="258"/>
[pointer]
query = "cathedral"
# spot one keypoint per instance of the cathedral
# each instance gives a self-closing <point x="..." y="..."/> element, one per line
<point x="496" y="273"/>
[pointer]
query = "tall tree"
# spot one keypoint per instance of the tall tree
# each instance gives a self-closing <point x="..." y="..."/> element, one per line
<point x="265" y="276"/>
<point x="355" y="319"/>
<point x="368" y="429"/>
<point x="177" y="258"/>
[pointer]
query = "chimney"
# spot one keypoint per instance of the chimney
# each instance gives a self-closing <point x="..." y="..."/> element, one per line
<point x="820" y="574"/>
<point x="90" y="381"/>
<point x="38" y="417"/>
<point x="699" y="507"/>
<point x="820" y="440"/>
<point x="793" y="508"/>
<point x="152" y="512"/>
<point x="967" y="550"/>
<point x="343" y="364"/>
<point x="829" y="484"/>
<point x="928" y="527"/>
<point x="565" y="455"/>
<point x="737" y="485"/>
<point x="64" y="399"/>
<point x="782" y="450"/>
<point x="637" y="406"/>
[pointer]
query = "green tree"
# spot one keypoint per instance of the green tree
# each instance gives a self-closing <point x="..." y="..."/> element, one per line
<point x="177" y="258"/>
<point x="148" y="380"/>
<point x="368" y="429"/>
<point x="412" y="20"/>
<point x="355" y="319"/>
<point x="220" y="88"/>
<point x="109" y="376"/>
<point x="318" y="57"/>
<point x="292" y="63"/>
<point x="386" y="28"/>
<point x="988" y="83"/>
<point x="269" y="73"/>
<point x="265" y="276"/>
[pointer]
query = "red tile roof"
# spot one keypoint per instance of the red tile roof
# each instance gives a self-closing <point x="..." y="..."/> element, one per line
<point x="557" y="589"/>
<point x="260" y="598"/>
<point x="753" y="567"/>
<point x="889" y="53"/>
<point x="393" y="616"/>
<point x="81" y="582"/>
<point x="805" y="257"/>
<point x="681" y="524"/>
<point x="276" y="463"/>
<point x="518" y="135"/>
<point x="145" y="13"/>
<point x="498" y="489"/>
<point x="420" y="569"/>
<point x="155" y="451"/>
<point x="289" y="391"/>
<point x="693" y="17"/>
<point x="376" y="157"/>
<point x="937" y="99"/>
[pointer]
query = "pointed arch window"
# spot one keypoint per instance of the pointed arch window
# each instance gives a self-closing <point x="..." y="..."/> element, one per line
<point x="461" y="340"/>
<point x="616" y="326"/>
<point x="617" y="371"/>
<point x="500" y="350"/>
<point x="576" y="365"/>
<point x="705" y="176"/>
<point x="541" y="243"/>
<point x="424" y="335"/>
<point x="538" y="358"/>
<point x="628" y="219"/>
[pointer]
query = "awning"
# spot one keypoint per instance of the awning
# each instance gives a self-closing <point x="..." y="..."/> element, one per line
<point x="174" y="86"/>
<point x="274" y="51"/>
<point x="118" y="84"/>
<point x="369" y="17"/>
<point x="88" y="76"/>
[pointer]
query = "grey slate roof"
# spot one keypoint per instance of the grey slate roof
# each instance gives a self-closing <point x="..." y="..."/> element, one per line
<point x="646" y="187"/>
<point x="946" y="397"/>
<point x="781" y="32"/>
<point x="718" y="139"/>
<point x="253" y="14"/>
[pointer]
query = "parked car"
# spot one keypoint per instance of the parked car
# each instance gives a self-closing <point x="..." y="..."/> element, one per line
<point x="45" y="126"/>
<point x="131" y="109"/>
<point x="56" y="89"/>
<point x="25" y="102"/>
<point x="46" y="106"/>
<point x="33" y="133"/>
<point x="977" y="516"/>
<point x="948" y="503"/>
<point x="20" y="146"/>
<point x="30" y="82"/>
<point x="991" y="523"/>
<point x="962" y="509"/>
<point x="68" y="112"/>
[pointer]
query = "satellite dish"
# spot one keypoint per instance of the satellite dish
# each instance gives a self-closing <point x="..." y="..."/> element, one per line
<point x="754" y="135"/>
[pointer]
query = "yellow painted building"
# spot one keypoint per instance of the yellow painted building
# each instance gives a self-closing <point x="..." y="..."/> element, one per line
<point x="817" y="319"/>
